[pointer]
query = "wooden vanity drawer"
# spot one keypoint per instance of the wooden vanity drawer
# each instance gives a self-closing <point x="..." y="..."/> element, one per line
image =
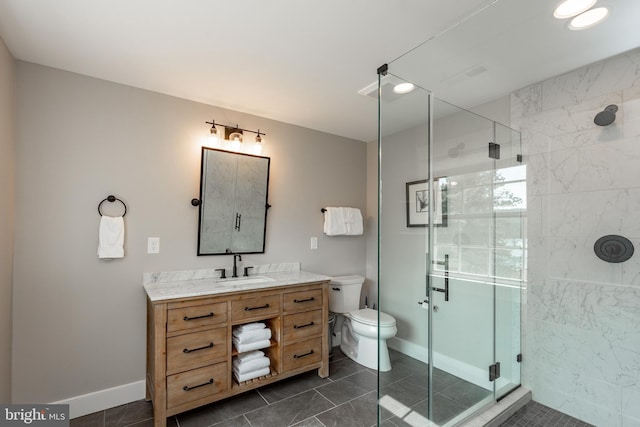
<point x="196" y="384"/>
<point x="196" y="349"/>
<point x="185" y="318"/>
<point x="302" y="325"/>
<point x="258" y="307"/>
<point x="304" y="300"/>
<point x="302" y="353"/>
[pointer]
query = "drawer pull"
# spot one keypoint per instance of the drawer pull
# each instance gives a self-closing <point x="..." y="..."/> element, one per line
<point x="299" y="356"/>
<point x="303" y="326"/>
<point x="190" y="350"/>
<point x="187" y="318"/>
<point x="187" y="388"/>
<point x="304" y="300"/>
<point x="256" y="308"/>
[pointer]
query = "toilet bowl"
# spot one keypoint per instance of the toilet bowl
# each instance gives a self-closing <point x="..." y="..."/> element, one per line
<point x="361" y="329"/>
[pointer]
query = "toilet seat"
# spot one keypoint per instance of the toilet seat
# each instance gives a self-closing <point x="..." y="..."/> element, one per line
<point x="369" y="317"/>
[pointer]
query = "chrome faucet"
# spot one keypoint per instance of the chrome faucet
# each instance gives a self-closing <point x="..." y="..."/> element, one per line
<point x="235" y="265"/>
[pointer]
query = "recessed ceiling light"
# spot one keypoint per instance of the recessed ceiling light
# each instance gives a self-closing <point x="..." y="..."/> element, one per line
<point x="589" y="18"/>
<point x="403" y="88"/>
<point x="569" y="8"/>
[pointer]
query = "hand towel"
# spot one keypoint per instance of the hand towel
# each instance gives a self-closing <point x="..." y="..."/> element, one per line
<point x="251" y="375"/>
<point x="250" y="365"/>
<point x="251" y="346"/>
<point x="353" y="221"/>
<point x="249" y="327"/>
<point x="111" y="237"/>
<point x="245" y="357"/>
<point x="340" y="221"/>
<point x="252" y="336"/>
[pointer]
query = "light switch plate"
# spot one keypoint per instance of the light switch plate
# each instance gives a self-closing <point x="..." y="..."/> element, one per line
<point x="314" y="243"/>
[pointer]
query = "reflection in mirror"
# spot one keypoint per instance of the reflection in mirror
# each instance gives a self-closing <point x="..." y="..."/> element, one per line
<point x="233" y="209"/>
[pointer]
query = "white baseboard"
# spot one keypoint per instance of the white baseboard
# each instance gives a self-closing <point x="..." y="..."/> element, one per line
<point x="104" y="399"/>
<point x="467" y="372"/>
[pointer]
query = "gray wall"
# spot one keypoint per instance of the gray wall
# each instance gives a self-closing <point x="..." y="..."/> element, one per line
<point x="79" y="322"/>
<point x="6" y="216"/>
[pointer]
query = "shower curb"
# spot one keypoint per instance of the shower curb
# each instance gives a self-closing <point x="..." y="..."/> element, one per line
<point x="501" y="411"/>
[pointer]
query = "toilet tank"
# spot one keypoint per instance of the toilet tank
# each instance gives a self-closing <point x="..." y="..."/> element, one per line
<point x="344" y="293"/>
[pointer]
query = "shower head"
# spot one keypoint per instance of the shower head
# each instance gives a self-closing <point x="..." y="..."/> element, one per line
<point x="607" y="116"/>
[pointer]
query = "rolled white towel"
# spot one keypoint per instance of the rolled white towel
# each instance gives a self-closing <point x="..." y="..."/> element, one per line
<point x="251" y="346"/>
<point x="249" y="327"/>
<point x="252" y="336"/>
<point x="250" y="365"/>
<point x="245" y="357"/>
<point x="251" y="375"/>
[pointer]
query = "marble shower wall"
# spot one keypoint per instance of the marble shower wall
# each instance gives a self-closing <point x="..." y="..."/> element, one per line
<point x="581" y="332"/>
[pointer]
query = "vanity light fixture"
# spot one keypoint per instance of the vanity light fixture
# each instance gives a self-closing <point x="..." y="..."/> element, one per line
<point x="235" y="136"/>
<point x="213" y="134"/>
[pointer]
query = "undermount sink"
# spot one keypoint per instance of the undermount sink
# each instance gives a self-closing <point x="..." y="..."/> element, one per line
<point x="247" y="280"/>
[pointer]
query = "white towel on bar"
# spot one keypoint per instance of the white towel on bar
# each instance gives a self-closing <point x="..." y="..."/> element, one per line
<point x="247" y="337"/>
<point x="250" y="365"/>
<point x="340" y="221"/>
<point x="111" y="237"/>
<point x="251" y="346"/>
<point x="249" y="327"/>
<point x="251" y="375"/>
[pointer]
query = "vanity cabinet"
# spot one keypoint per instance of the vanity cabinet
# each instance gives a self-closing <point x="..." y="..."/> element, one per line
<point x="190" y="348"/>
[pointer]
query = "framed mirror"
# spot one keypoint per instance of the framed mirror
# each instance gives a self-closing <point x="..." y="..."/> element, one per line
<point x="233" y="203"/>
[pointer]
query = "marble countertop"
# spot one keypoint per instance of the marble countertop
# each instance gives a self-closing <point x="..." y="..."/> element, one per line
<point x="167" y="290"/>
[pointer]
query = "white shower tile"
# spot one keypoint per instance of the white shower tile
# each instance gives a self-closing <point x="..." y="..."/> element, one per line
<point x="537" y="174"/>
<point x="613" y="165"/>
<point x="564" y="171"/>
<point x="630" y="407"/>
<point x="526" y="101"/>
<point x="589" y="400"/>
<point x="574" y="258"/>
<point x="593" y="214"/>
<point x="631" y="112"/>
<point x="534" y="142"/>
<point x="582" y="328"/>
<point x="564" y="213"/>
<point x="593" y="80"/>
<point x="631" y="268"/>
<point x="610" y="212"/>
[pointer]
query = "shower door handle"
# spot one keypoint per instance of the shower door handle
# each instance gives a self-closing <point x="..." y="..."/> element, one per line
<point x="444" y="290"/>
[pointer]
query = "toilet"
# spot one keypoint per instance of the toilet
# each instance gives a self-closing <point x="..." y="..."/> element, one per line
<point x="360" y="327"/>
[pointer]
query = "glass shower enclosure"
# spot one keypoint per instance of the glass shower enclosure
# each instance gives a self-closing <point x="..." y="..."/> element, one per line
<point x="452" y="256"/>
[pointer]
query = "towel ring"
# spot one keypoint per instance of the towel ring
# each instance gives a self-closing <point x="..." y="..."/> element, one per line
<point x="111" y="198"/>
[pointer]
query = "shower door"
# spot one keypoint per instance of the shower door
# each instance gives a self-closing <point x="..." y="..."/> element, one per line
<point x="451" y="257"/>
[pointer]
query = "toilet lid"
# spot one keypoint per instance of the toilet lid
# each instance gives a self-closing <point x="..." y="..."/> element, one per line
<point x="370" y="317"/>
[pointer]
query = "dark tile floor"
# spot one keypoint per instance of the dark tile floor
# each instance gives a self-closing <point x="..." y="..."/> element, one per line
<point x="347" y="398"/>
<point x="534" y="414"/>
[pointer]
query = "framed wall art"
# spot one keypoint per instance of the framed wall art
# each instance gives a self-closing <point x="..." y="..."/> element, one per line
<point x="417" y="194"/>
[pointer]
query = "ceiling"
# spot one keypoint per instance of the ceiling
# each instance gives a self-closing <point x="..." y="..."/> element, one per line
<point x="303" y="63"/>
